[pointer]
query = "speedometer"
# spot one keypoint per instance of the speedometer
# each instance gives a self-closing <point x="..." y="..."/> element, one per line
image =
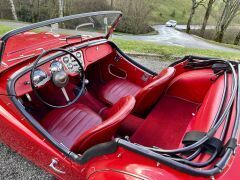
<point x="40" y="77"/>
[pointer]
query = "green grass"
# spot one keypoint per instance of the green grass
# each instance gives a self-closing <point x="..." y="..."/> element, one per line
<point x="170" y="51"/>
<point x="175" y="9"/>
<point x="163" y="11"/>
<point x="222" y="44"/>
<point x="4" y="29"/>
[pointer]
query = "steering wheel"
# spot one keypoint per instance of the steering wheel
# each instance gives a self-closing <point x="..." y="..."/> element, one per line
<point x="59" y="78"/>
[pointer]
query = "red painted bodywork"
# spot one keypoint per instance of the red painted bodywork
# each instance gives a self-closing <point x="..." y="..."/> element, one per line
<point x="16" y="132"/>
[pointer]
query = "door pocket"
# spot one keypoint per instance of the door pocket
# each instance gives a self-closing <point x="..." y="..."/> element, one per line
<point x="117" y="72"/>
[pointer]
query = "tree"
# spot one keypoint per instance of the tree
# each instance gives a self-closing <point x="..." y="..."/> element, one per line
<point x="237" y="39"/>
<point x="61" y="7"/>
<point x="195" y="5"/>
<point x="13" y="9"/>
<point x="112" y="4"/>
<point x="229" y="12"/>
<point x="206" y="17"/>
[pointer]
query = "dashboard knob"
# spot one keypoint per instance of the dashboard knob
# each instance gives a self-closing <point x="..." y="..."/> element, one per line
<point x="78" y="54"/>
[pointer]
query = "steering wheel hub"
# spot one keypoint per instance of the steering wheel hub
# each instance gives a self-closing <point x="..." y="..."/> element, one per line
<point x="60" y="79"/>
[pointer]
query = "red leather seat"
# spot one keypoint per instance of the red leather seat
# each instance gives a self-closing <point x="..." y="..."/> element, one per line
<point x="146" y="96"/>
<point x="115" y="89"/>
<point x="78" y="127"/>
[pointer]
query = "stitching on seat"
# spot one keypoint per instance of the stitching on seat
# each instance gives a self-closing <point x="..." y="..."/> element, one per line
<point x="53" y="127"/>
<point x="84" y="127"/>
<point x="71" y="122"/>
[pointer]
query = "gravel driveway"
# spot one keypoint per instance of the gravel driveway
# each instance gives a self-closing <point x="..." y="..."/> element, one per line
<point x="13" y="166"/>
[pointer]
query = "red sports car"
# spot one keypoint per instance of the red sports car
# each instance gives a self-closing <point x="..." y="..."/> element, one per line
<point x="74" y="104"/>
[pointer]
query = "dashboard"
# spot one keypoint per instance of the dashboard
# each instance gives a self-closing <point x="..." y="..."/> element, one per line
<point x="70" y="63"/>
<point x="85" y="55"/>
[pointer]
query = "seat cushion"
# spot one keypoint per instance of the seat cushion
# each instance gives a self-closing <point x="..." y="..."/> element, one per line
<point x="68" y="124"/>
<point x="115" y="89"/>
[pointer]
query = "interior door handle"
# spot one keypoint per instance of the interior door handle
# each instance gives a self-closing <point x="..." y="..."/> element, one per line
<point x="52" y="165"/>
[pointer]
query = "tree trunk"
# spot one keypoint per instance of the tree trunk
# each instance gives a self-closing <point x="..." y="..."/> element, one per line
<point x="33" y="20"/>
<point x="237" y="39"/>
<point x="13" y="10"/>
<point x="112" y="4"/>
<point x="61" y="5"/>
<point x="190" y="19"/>
<point x="206" y="17"/>
<point x="230" y="10"/>
<point x="219" y="35"/>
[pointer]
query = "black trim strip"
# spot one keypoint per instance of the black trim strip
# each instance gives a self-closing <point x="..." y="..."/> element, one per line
<point x="191" y="57"/>
<point x="167" y="161"/>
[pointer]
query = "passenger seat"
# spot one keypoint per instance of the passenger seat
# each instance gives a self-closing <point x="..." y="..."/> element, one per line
<point x="146" y="96"/>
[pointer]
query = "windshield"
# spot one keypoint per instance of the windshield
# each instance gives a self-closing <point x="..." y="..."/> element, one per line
<point x="32" y="39"/>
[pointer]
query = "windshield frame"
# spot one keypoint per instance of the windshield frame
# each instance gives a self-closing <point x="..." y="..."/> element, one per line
<point x="5" y="37"/>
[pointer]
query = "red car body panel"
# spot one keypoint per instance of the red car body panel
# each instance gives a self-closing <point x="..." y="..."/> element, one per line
<point x="19" y="134"/>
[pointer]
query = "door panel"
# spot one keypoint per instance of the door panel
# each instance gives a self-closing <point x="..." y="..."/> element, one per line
<point x="30" y="145"/>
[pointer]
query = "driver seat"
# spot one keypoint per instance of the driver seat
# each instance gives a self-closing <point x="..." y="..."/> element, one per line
<point x="78" y="127"/>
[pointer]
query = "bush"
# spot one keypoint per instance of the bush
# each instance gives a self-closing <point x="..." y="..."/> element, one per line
<point x="173" y="14"/>
<point x="136" y="13"/>
<point x="135" y="17"/>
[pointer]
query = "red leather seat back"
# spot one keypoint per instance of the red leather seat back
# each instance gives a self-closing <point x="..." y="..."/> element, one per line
<point x="150" y="94"/>
<point x="115" y="89"/>
<point x="107" y="129"/>
<point x="208" y="110"/>
<point x="191" y="85"/>
<point x="205" y="115"/>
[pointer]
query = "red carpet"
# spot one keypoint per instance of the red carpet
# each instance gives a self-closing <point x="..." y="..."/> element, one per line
<point x="166" y="124"/>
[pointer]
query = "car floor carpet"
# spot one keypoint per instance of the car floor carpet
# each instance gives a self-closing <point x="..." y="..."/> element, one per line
<point x="165" y="126"/>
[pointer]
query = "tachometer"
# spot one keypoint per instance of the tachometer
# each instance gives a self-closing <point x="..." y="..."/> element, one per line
<point x="56" y="66"/>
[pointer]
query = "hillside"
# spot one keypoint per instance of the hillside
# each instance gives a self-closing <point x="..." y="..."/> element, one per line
<point x="163" y="10"/>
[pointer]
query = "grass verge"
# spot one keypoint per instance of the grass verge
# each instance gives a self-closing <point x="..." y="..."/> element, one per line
<point x="133" y="46"/>
<point x="4" y="29"/>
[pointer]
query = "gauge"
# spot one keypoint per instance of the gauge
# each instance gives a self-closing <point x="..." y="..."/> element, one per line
<point x="70" y="66"/>
<point x="40" y="77"/>
<point x="78" y="54"/>
<point x="56" y="66"/>
<point x="65" y="59"/>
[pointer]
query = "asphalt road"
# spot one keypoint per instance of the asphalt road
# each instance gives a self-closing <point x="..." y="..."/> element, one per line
<point x="171" y="36"/>
<point x="13" y="166"/>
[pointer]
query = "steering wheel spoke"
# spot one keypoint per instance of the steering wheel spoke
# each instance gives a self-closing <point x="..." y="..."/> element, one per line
<point x="65" y="94"/>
